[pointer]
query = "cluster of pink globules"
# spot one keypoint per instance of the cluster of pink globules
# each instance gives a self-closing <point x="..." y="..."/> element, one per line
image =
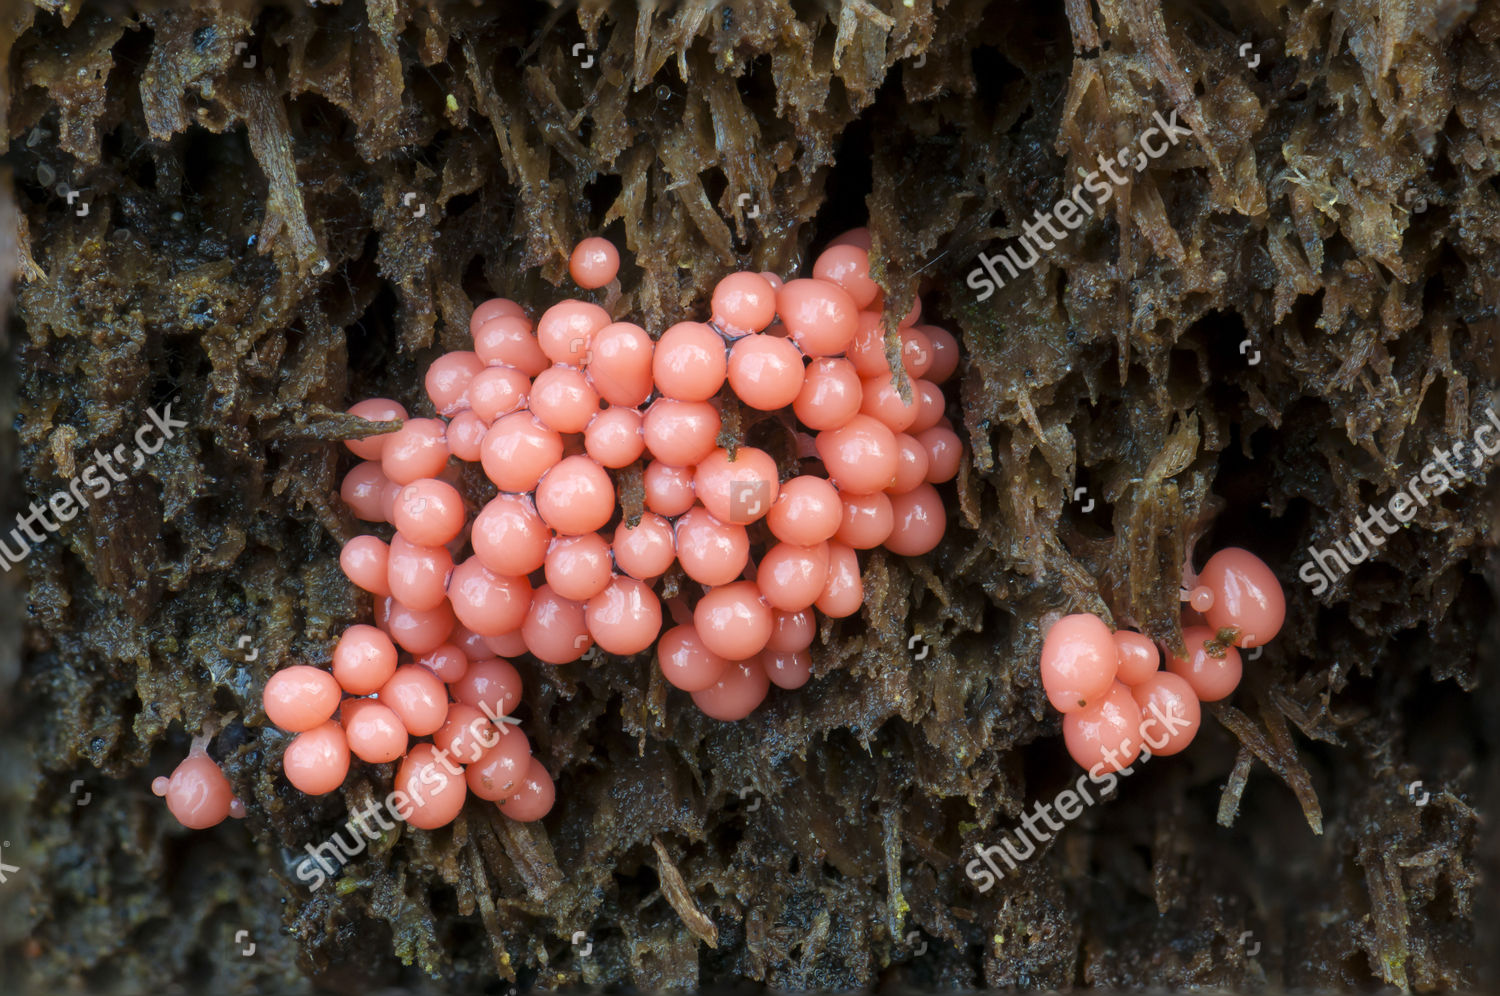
<point x="1109" y="686"/>
<point x="550" y="568"/>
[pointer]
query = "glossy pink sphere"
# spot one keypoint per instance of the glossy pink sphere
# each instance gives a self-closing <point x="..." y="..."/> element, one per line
<point x="434" y="788"/>
<point x="1079" y="662"/>
<point x="680" y="433"/>
<point x="578" y="567"/>
<point x="566" y="330"/>
<point x="447" y="381"/>
<point x="743" y="303"/>
<point x="669" y="488"/>
<point x="1247" y="596"/>
<point x="429" y="512"/>
<point x="740" y="688"/>
<point x="1170" y="712"/>
<point x="486" y="602"/>
<point x="689" y="363"/>
<point x="374" y="733"/>
<point x="1106" y="735"/>
<point x="418" y="450"/>
<point x="1212" y="677"/>
<point x="563" y="399"/>
<point x="576" y="496"/>
<point x="510" y="537"/>
<point x="920" y="521"/>
<point x="534" y="798"/>
<point x="417" y="696"/>
<point x="518" y="450"/>
<point x="615" y="438"/>
<point x="844" y="591"/>
<point x="644" y="551"/>
<point x="820" y="317"/>
<point x="619" y="364"/>
<point x="686" y="662"/>
<point x="316" y="761"/>
<point x="365" y="560"/>
<point x="711" y="551"/>
<point x="765" y="372"/>
<point x="861" y="457"/>
<point x="299" y="697"/>
<point x="555" y="629"/>
<point x="594" y="263"/>
<point x="831" y="394"/>
<point x="1139" y="658"/>
<point x="374" y="410"/>
<point x="739" y="490"/>
<point x="508" y="341"/>
<point x="624" y="618"/>
<point x="733" y="620"/>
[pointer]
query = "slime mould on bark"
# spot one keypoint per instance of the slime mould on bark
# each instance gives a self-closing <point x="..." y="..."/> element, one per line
<point x="259" y="213"/>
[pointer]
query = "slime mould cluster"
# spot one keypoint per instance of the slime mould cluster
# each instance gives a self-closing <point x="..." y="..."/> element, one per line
<point x="259" y="213"/>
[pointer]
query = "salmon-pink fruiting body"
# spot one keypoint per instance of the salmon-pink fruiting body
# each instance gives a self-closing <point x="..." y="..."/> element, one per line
<point x="867" y="520"/>
<point x="615" y="437"/>
<point x="860" y="457"/>
<point x="497" y="774"/>
<point x="417" y="696"/>
<point x="495" y="307"/>
<point x="1246" y="596"/>
<point x="791" y="578"/>
<point x="363" y="489"/>
<point x="417" y="631"/>
<point x="821" y="317"/>
<point x="919" y="521"/>
<point x="789" y="669"/>
<point x="619" y="364"/>
<point x="1139" y="658"/>
<point x="300" y="697"/>
<point x="494" y="393"/>
<point x="880" y="400"/>
<point x="492" y="686"/>
<point x="363" y="660"/>
<point x="849" y="267"/>
<point x="448" y="379"/>
<point x="1107" y="734"/>
<point x="944" y="452"/>
<point x="418" y="449"/>
<point x="739" y="489"/>
<point x="1213" y="677"/>
<point x="807" y="510"/>
<point x="518" y="450"/>
<point x="563" y="399"/>
<point x="1079" y="662"/>
<point x="509" y="341"/>
<point x="765" y="372"/>
<point x="689" y="363"/>
<point x="686" y="662"/>
<point x="566" y="330"/>
<point x="197" y="793"/>
<point x="373" y="731"/>
<point x="490" y="604"/>
<point x="594" y="263"/>
<point x="466" y="734"/>
<point x="711" y="552"/>
<point x="577" y="567"/>
<point x="418" y="575"/>
<point x="669" y="488"/>
<point x="374" y="410"/>
<point x="743" y="303"/>
<point x="365" y="560"/>
<point x="624" y="618"/>
<point x="510" y="537"/>
<point x="555" y="629"/>
<point x="944" y="354"/>
<point x="680" y="433"/>
<point x="645" y="550"/>
<point x="912" y="464"/>
<point x="316" y="761"/>
<point x="792" y="631"/>
<point x="1170" y="713"/>
<point x="844" y="591"/>
<point x="535" y="797"/>
<point x="733" y="620"/>
<point x="434" y="787"/>
<point x="741" y="688"/>
<point x="831" y="394"/>
<point x="576" y="496"/>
